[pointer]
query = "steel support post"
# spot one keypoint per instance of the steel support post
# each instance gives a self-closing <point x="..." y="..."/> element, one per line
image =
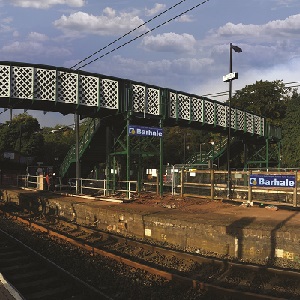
<point x="267" y="154"/>
<point x="229" y="195"/>
<point x="161" y="156"/>
<point x="128" y="160"/>
<point x="78" y="169"/>
<point x="108" y="161"/>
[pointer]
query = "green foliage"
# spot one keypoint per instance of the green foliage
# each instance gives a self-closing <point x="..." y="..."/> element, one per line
<point x="291" y="133"/>
<point x="21" y="135"/>
<point x="58" y="141"/>
<point x="264" y="98"/>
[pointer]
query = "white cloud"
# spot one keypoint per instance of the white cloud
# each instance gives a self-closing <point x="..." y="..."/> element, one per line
<point x="109" y="23"/>
<point x="32" y="49"/>
<point x="35" y="36"/>
<point x="140" y="70"/>
<point x="287" y="28"/>
<point x="5" y="28"/>
<point x="185" y="19"/>
<point x="170" y="42"/>
<point x="155" y="10"/>
<point x="46" y="3"/>
<point x="7" y="20"/>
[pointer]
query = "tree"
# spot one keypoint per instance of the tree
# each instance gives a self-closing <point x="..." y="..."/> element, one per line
<point x="291" y="133"/>
<point x="264" y="98"/>
<point x="22" y="135"/>
<point x="58" y="141"/>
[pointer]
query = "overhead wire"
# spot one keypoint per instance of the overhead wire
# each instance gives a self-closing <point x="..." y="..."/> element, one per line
<point x="143" y="34"/>
<point x="220" y="94"/>
<point x="129" y="32"/>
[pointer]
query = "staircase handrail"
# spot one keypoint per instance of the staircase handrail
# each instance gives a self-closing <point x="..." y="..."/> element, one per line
<point x="84" y="141"/>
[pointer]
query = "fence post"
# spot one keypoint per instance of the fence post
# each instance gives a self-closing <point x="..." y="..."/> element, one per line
<point x="129" y="190"/>
<point x="157" y="183"/>
<point x="182" y="183"/>
<point x="212" y="183"/>
<point x="249" y="186"/>
<point x="295" y="191"/>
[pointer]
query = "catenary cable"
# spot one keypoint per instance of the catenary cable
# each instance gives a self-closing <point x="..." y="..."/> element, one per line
<point x="143" y="34"/>
<point x="129" y="32"/>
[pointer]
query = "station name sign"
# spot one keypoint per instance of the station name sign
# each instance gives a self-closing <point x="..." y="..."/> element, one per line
<point x="230" y="76"/>
<point x="136" y="130"/>
<point x="287" y="181"/>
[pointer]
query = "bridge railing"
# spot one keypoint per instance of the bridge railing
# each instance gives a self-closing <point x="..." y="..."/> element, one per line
<point x="40" y="86"/>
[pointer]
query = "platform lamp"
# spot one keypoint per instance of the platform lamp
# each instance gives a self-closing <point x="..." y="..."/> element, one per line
<point x="228" y="78"/>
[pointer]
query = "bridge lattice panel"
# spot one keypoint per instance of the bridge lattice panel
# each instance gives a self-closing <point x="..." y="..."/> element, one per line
<point x="5" y="81"/>
<point x="220" y="115"/>
<point x="197" y="109"/>
<point x="51" y="84"/>
<point x="22" y="82"/>
<point x="109" y="94"/>
<point x="209" y="112"/>
<point x="45" y="84"/>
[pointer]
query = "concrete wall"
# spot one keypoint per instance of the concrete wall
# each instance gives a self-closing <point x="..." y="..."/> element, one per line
<point x="243" y="239"/>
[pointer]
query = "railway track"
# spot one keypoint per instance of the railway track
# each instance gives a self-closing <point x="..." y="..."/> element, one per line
<point x="36" y="277"/>
<point x="212" y="278"/>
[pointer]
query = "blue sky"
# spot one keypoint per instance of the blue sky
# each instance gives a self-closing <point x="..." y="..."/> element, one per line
<point x="189" y="53"/>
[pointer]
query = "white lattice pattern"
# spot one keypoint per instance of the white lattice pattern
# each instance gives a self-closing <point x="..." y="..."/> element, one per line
<point x="257" y="124"/>
<point x="22" y="82"/>
<point x="109" y="94"/>
<point x="209" y="112"/>
<point x="249" y="124"/>
<point x="36" y="83"/>
<point x="197" y="109"/>
<point x="183" y="107"/>
<point x="138" y="98"/>
<point x="172" y="108"/>
<point x="88" y="90"/>
<point x="67" y="87"/>
<point x="153" y="101"/>
<point x="5" y="81"/>
<point x="220" y="115"/>
<point x="240" y="119"/>
<point x="45" y="84"/>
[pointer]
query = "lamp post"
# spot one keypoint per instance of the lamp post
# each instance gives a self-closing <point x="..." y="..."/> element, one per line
<point x="228" y="78"/>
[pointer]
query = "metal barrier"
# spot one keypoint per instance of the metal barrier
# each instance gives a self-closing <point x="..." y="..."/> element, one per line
<point x="86" y="186"/>
<point x="212" y="184"/>
<point x="29" y="181"/>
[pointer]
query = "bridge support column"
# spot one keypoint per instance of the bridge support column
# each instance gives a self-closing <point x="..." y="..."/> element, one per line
<point x="161" y="155"/>
<point x="128" y="158"/>
<point x="78" y="169"/>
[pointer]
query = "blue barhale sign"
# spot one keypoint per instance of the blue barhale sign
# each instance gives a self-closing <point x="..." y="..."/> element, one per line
<point x="287" y="181"/>
<point x="136" y="130"/>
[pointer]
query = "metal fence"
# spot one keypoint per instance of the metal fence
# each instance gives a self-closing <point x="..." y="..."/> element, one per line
<point x="82" y="186"/>
<point x="213" y="185"/>
<point x="184" y="182"/>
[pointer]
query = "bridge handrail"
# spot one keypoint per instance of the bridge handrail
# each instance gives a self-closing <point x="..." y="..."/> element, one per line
<point x="60" y="89"/>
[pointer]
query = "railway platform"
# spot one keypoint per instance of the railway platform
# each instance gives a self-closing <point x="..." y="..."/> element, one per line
<point x="260" y="232"/>
<point x="7" y="291"/>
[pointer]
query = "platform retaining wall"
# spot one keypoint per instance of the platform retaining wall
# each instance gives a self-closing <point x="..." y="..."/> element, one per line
<point x="243" y="240"/>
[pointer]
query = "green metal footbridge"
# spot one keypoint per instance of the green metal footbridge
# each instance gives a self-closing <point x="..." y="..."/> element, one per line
<point x="115" y="104"/>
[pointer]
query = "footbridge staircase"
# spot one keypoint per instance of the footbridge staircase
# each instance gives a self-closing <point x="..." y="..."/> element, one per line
<point x="116" y="104"/>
